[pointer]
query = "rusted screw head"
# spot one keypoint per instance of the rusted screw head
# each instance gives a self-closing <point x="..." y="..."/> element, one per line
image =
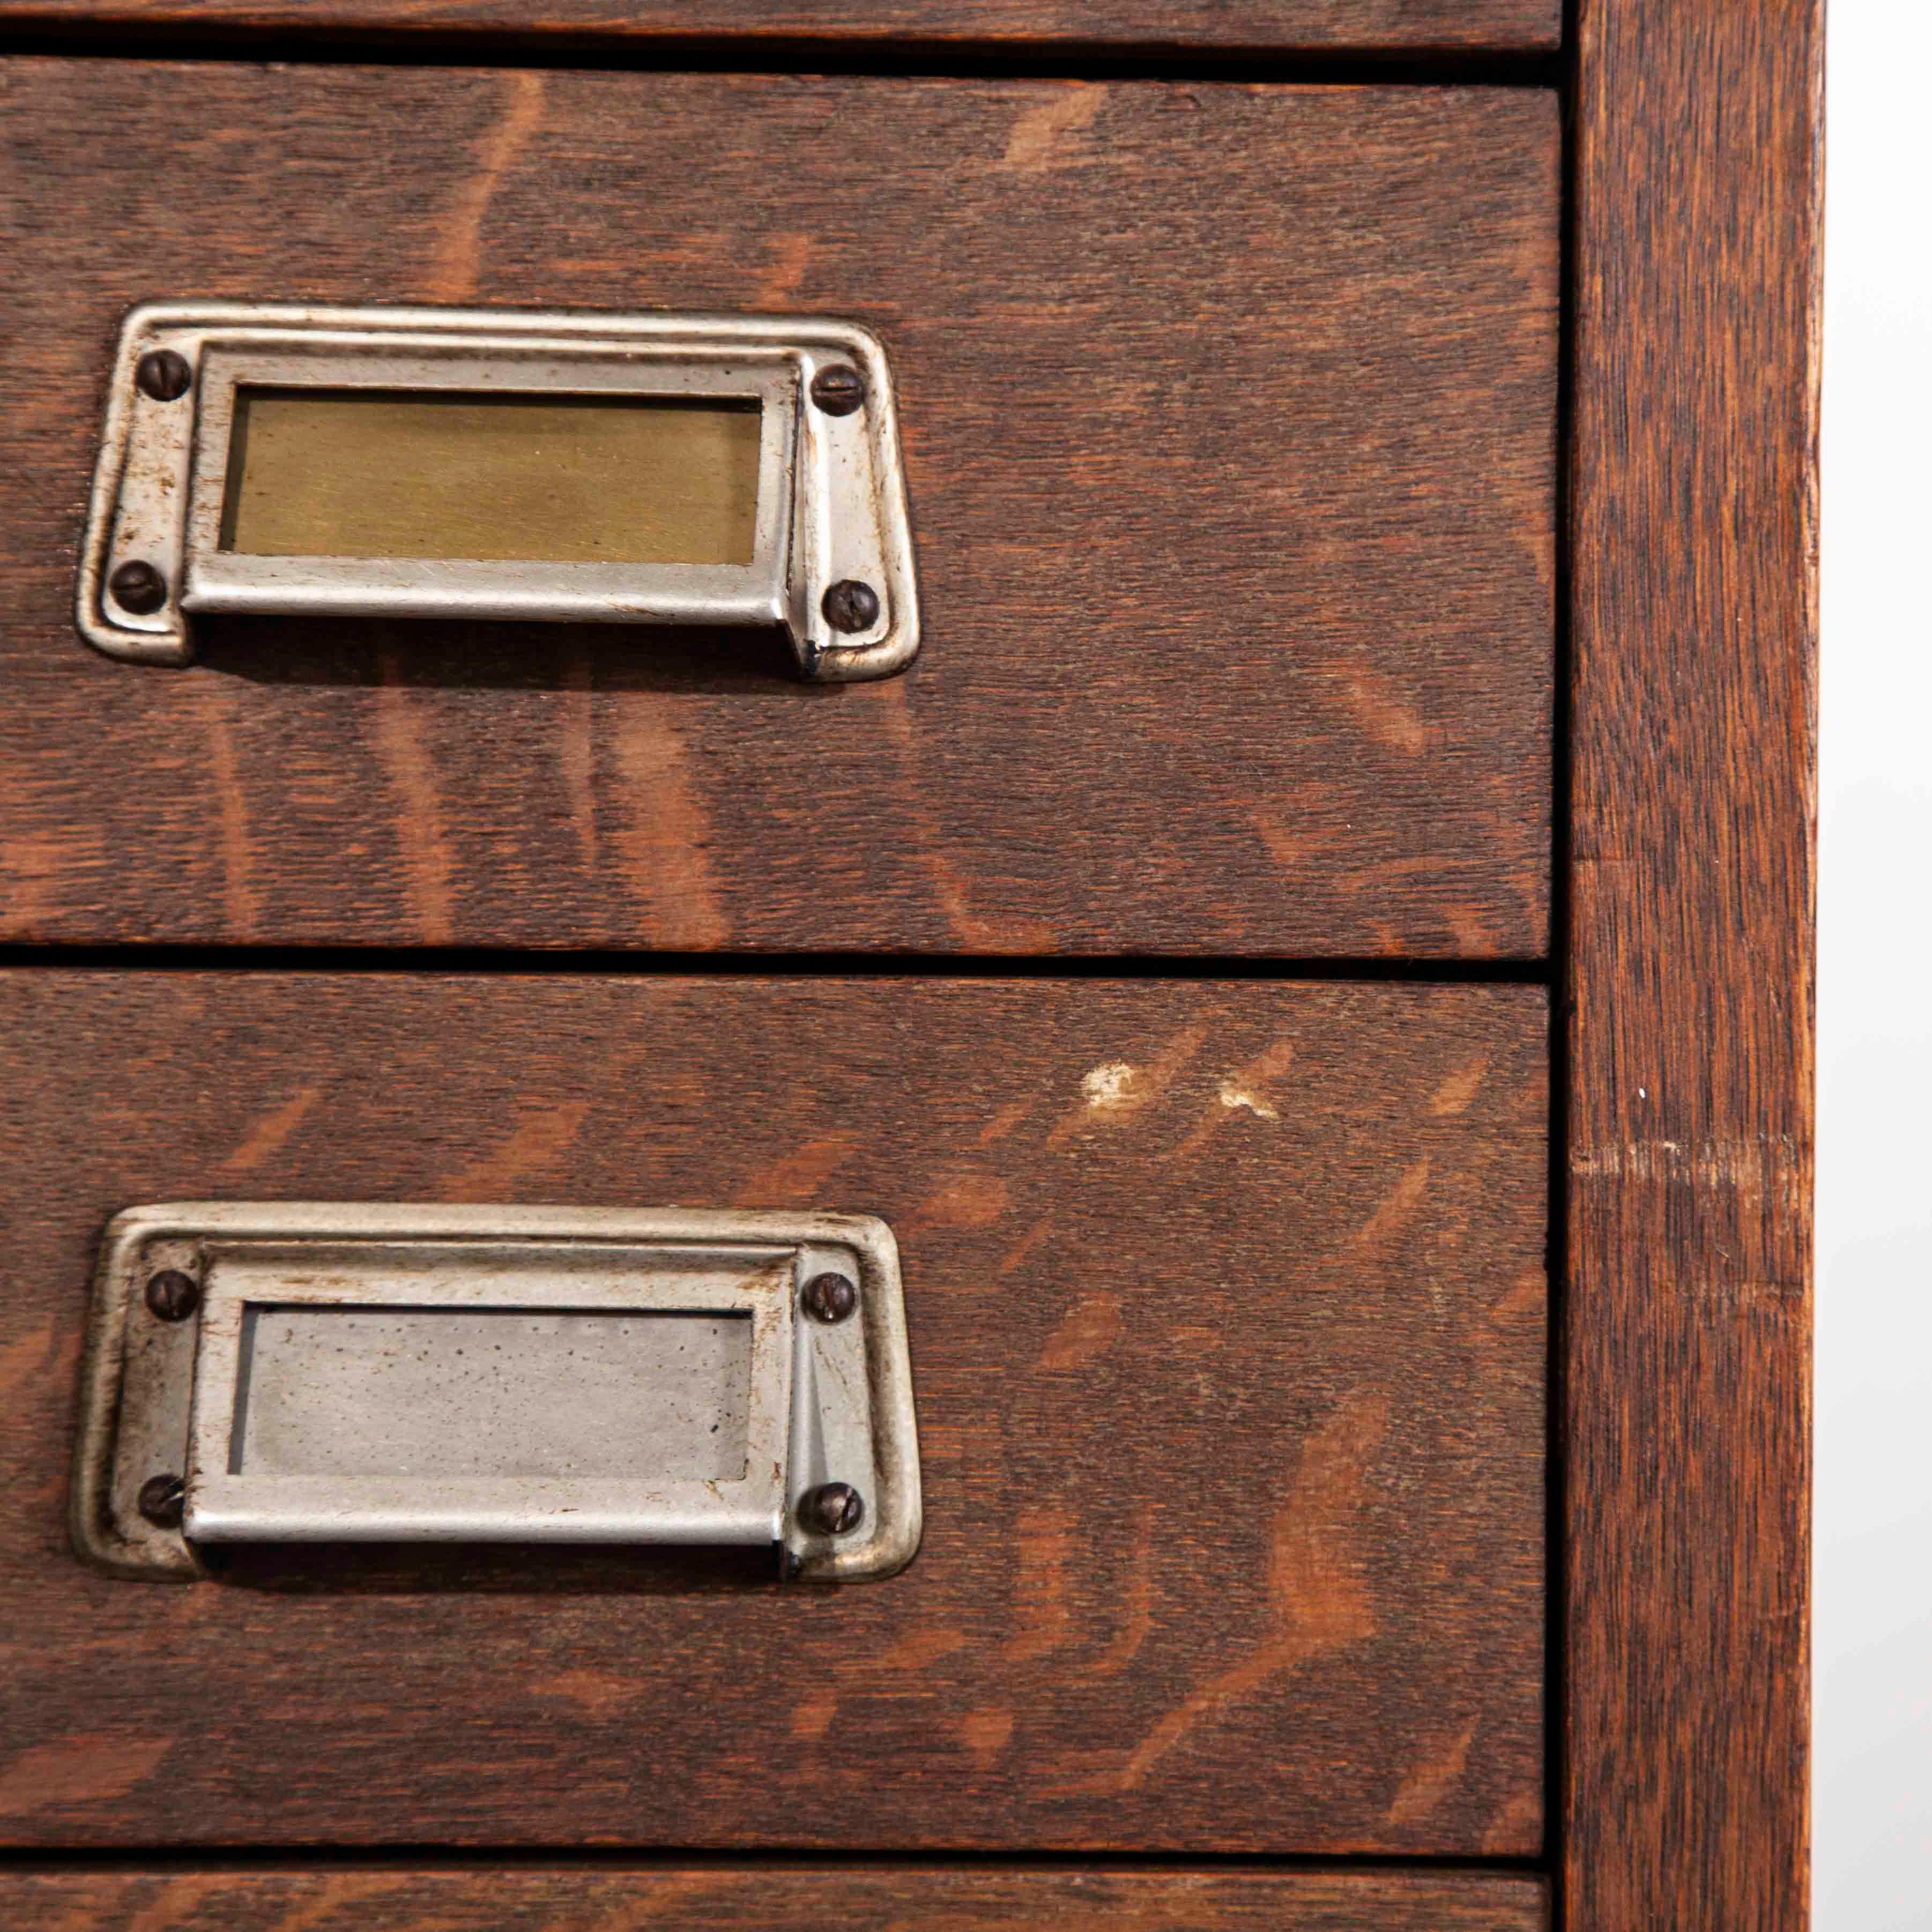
<point x="830" y="1297"/>
<point x="161" y="1500"/>
<point x="838" y="390"/>
<point x="851" y="606"/>
<point x="163" y="374"/>
<point x="173" y="1295"/>
<point x="139" y="587"/>
<point x="832" y="1509"/>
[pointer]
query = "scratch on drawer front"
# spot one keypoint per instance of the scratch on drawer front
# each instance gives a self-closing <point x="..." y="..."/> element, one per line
<point x="1114" y="1088"/>
<point x="1752" y="1166"/>
<point x="1243" y="1091"/>
<point x="458" y="260"/>
<point x="1234" y="1096"/>
<point x="1117" y="1090"/>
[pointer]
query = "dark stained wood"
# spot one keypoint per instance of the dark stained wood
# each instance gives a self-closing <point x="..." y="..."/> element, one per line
<point x="1229" y="415"/>
<point x="864" y="1898"/>
<point x="1281" y="26"/>
<point x="1227" y="1310"/>
<point x="1684" y="1753"/>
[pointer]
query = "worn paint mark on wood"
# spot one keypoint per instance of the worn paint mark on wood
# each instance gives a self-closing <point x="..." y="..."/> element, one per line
<point x="1117" y="1091"/>
<point x="1244" y="1090"/>
<point x="1113" y="1087"/>
<point x="1773" y="1164"/>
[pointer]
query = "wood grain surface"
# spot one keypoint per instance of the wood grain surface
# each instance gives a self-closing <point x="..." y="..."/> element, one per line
<point x="1229" y="419"/>
<point x="1280" y="26"/>
<point x="807" y="1898"/>
<point x="1227" y="1313"/>
<point x="1691" y="965"/>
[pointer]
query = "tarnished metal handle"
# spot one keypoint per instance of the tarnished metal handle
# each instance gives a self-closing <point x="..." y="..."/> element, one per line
<point x="316" y="1373"/>
<point x="492" y="464"/>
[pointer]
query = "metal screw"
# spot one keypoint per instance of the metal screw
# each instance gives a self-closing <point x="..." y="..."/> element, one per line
<point x="139" y="587"/>
<point x="161" y="1500"/>
<point x="839" y="389"/>
<point x="830" y="1297"/>
<point x="850" y="605"/>
<point x="163" y="374"/>
<point x="832" y="1509"/>
<point x="172" y="1295"/>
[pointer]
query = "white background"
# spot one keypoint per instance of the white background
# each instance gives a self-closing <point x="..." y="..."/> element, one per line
<point x="1873" y="1583"/>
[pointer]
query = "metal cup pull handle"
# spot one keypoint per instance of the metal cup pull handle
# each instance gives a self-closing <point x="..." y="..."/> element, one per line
<point x="284" y="1371"/>
<point x="485" y="463"/>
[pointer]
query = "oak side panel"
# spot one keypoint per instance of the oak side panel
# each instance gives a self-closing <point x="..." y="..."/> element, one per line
<point x="1227" y="1314"/>
<point x="1691" y="966"/>
<point x="1278" y="26"/>
<point x="1229" y="416"/>
<point x="711" y="1899"/>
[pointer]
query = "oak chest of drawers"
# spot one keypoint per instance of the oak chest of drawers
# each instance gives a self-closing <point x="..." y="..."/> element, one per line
<point x="1309" y="967"/>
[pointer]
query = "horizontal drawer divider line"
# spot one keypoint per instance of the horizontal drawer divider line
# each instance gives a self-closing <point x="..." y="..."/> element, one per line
<point x="142" y="957"/>
<point x="336" y="1857"/>
<point x="908" y="58"/>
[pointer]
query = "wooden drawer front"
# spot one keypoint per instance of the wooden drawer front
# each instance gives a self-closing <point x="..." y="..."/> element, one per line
<point x="1418" y="26"/>
<point x="1229" y="414"/>
<point x="1227" y="1314"/>
<point x="855" y="1899"/>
